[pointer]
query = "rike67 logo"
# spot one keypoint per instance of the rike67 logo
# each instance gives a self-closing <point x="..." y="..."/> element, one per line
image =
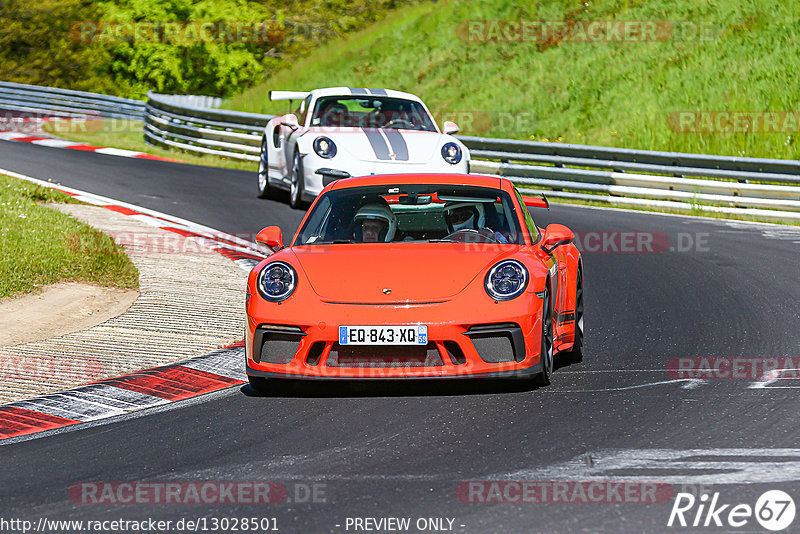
<point x="774" y="510"/>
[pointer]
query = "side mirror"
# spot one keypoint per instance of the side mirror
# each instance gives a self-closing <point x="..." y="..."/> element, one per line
<point x="450" y="127"/>
<point x="555" y="235"/>
<point x="290" y="121"/>
<point x="271" y="236"/>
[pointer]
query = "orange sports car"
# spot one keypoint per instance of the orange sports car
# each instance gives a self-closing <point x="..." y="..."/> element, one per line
<point x="415" y="276"/>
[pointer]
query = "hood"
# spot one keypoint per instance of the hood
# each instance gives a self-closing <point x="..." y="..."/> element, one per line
<point x="385" y="145"/>
<point x="414" y="272"/>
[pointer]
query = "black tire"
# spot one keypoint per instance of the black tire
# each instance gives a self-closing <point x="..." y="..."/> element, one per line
<point x="576" y="354"/>
<point x="298" y="179"/>
<point x="543" y="378"/>
<point x="258" y="384"/>
<point x="264" y="190"/>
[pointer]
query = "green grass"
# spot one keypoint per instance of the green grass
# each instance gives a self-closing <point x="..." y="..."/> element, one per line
<point x="42" y="246"/>
<point x="611" y="94"/>
<point x="693" y="210"/>
<point x="127" y="134"/>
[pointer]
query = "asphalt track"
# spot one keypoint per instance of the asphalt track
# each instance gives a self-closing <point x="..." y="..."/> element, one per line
<point x="401" y="450"/>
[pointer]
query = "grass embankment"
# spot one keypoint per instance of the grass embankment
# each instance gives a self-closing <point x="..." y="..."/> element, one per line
<point x="707" y="57"/>
<point x="41" y="246"/>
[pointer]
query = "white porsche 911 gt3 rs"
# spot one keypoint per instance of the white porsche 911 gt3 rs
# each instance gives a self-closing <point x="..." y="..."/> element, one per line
<point x="339" y="132"/>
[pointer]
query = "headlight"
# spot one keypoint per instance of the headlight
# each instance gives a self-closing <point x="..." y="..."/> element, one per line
<point x="451" y="153"/>
<point x="276" y="281"/>
<point x="324" y="147"/>
<point x="506" y="280"/>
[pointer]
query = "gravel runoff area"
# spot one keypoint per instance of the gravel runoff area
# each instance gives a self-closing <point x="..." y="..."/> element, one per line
<point x="191" y="302"/>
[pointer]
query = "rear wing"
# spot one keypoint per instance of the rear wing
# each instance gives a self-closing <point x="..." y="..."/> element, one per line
<point x="288" y="95"/>
<point x="537" y="202"/>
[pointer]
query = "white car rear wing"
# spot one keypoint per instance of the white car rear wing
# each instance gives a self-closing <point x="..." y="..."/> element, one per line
<point x="288" y="95"/>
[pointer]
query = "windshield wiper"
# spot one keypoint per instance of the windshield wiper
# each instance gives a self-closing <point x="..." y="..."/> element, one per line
<point x="333" y="242"/>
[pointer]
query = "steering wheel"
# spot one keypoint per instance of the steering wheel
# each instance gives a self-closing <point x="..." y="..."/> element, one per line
<point x="468" y="235"/>
<point x="407" y="123"/>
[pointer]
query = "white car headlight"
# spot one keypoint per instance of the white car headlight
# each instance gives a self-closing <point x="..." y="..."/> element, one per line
<point x="324" y="147"/>
<point x="506" y="280"/>
<point x="451" y="153"/>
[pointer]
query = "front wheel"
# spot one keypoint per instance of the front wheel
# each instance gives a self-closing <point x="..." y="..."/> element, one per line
<point x="543" y="378"/>
<point x="264" y="190"/>
<point x="298" y="181"/>
<point x="263" y="173"/>
<point x="576" y="354"/>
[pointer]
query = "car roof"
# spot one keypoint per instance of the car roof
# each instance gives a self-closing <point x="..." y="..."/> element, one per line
<point x="356" y="91"/>
<point x="478" y="180"/>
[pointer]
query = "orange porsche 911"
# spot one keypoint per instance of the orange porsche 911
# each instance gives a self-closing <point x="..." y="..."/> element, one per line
<point x="415" y="276"/>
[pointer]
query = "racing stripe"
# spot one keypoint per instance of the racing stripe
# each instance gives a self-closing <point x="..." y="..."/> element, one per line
<point x="399" y="147"/>
<point x="357" y="91"/>
<point x="378" y="143"/>
<point x="377" y="92"/>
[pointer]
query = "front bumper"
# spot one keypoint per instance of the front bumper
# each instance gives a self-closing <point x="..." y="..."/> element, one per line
<point x="492" y="340"/>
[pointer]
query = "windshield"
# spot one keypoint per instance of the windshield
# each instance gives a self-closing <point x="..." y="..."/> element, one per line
<point x="371" y="112"/>
<point x="412" y="214"/>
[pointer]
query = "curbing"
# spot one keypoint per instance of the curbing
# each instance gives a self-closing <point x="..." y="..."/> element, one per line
<point x="122" y="395"/>
<point x="168" y="321"/>
<point x="44" y="140"/>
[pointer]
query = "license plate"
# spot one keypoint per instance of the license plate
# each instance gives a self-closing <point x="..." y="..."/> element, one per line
<point x="383" y="335"/>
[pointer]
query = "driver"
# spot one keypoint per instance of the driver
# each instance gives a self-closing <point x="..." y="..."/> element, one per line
<point x="469" y="216"/>
<point x="334" y="114"/>
<point x="377" y="222"/>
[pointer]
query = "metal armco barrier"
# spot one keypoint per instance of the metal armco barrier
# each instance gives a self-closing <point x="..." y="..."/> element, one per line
<point x="768" y="188"/>
<point x="203" y="130"/>
<point x="37" y="100"/>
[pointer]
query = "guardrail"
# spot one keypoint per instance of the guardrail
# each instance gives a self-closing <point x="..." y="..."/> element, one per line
<point x="764" y="187"/>
<point x="168" y="122"/>
<point x="66" y="103"/>
<point x="768" y="188"/>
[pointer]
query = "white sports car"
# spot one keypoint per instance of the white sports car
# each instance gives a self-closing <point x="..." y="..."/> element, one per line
<point x="341" y="132"/>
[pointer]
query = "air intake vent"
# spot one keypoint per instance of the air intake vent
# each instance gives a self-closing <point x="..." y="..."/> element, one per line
<point x="498" y="343"/>
<point x="388" y="356"/>
<point x="276" y="344"/>
<point x="455" y="353"/>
